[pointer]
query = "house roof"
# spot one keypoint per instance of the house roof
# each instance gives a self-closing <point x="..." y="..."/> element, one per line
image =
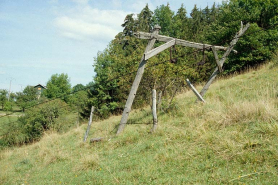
<point x="39" y="85"/>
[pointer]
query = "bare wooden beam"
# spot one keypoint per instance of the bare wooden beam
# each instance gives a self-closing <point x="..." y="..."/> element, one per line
<point x="224" y="57"/>
<point x="195" y="91"/>
<point x="154" y="110"/>
<point x="217" y="59"/>
<point x="143" y="35"/>
<point x="89" y="124"/>
<point x="159" y="49"/>
<point x="136" y="82"/>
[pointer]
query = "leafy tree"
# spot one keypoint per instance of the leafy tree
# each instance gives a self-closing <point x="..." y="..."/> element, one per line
<point x="163" y="16"/>
<point x="145" y="19"/>
<point x="3" y="97"/>
<point x="58" y="86"/>
<point x="180" y="24"/>
<point x="27" y="98"/>
<point x="78" y="87"/>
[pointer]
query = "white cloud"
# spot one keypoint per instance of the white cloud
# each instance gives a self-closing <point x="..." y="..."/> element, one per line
<point x="84" y="22"/>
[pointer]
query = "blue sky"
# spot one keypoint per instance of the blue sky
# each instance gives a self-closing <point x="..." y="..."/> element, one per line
<point x="39" y="38"/>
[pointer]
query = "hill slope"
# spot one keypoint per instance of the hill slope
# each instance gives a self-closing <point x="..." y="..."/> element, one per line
<point x="232" y="138"/>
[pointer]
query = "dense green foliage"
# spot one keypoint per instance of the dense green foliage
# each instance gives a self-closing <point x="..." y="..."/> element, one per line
<point x="27" y="98"/>
<point x="3" y="97"/>
<point x="58" y="86"/>
<point x="116" y="66"/>
<point x="31" y="126"/>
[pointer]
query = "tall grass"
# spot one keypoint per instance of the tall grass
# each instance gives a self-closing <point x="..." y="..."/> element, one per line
<point x="231" y="139"/>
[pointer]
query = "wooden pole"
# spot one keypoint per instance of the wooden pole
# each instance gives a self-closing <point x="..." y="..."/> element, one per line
<point x="89" y="124"/>
<point x="195" y="91"/>
<point x="221" y="62"/>
<point x="154" y="110"/>
<point x="136" y="81"/>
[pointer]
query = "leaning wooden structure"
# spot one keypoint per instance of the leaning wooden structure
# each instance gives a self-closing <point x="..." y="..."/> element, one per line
<point x="149" y="52"/>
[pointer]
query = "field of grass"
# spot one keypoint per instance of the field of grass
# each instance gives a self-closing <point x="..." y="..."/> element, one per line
<point x="231" y="139"/>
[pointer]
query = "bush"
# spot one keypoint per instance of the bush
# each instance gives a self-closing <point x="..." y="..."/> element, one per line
<point x="31" y="126"/>
<point x="8" y="106"/>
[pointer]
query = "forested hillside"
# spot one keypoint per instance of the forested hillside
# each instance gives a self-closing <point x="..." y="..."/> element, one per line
<point x="115" y="67"/>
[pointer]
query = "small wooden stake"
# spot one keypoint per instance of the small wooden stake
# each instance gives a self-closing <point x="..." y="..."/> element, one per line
<point x="89" y="124"/>
<point x="154" y="111"/>
<point x="195" y="91"/>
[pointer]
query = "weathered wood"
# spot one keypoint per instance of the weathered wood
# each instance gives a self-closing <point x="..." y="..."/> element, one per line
<point x="159" y="49"/>
<point x="217" y="59"/>
<point x="89" y="123"/>
<point x="94" y="140"/>
<point x="195" y="91"/>
<point x="143" y="35"/>
<point x="228" y="51"/>
<point x="154" y="110"/>
<point x="136" y="82"/>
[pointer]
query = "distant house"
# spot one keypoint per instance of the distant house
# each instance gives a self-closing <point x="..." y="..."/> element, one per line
<point x="40" y="88"/>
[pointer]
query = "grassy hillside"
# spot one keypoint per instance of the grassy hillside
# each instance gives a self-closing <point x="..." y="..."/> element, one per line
<point x="231" y="139"/>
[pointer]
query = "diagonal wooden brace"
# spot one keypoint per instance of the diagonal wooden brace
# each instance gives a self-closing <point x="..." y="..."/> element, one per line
<point x="195" y="91"/>
<point x="159" y="49"/>
<point x="224" y="57"/>
<point x="217" y="59"/>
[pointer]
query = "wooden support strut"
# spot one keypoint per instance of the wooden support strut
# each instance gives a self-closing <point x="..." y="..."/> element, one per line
<point x="195" y="91"/>
<point x="136" y="81"/>
<point x="224" y="57"/>
<point x="217" y="59"/>
<point x="159" y="49"/>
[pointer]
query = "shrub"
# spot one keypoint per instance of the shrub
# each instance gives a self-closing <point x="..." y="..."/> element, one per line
<point x="30" y="127"/>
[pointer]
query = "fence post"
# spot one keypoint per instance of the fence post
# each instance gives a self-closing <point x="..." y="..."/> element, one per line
<point x="154" y="110"/>
<point x="89" y="124"/>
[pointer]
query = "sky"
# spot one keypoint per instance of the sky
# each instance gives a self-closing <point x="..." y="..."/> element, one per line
<point x="39" y="38"/>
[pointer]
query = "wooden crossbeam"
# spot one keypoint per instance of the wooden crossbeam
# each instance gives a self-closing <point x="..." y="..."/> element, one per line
<point x="144" y="35"/>
<point x="159" y="49"/>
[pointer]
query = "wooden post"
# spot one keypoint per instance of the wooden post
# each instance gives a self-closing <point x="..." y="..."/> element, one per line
<point x="136" y="81"/>
<point x="195" y="91"/>
<point x="89" y="124"/>
<point x="229" y="49"/>
<point x="154" y="110"/>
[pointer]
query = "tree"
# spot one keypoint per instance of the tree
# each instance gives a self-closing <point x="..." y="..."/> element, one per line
<point x="27" y="98"/>
<point x="145" y="19"/>
<point x="78" y="87"/>
<point x="3" y="97"/>
<point x="163" y="16"/>
<point x="58" y="86"/>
